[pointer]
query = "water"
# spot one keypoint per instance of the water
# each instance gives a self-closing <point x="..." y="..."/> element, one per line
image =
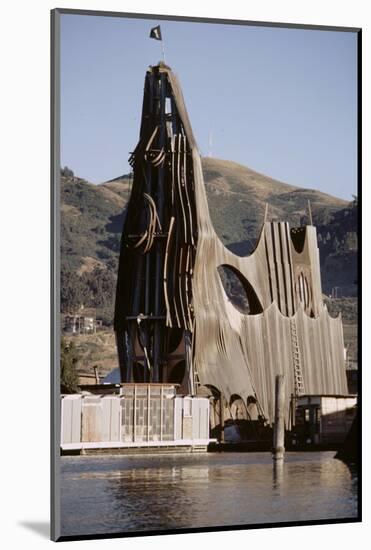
<point x="111" y="494"/>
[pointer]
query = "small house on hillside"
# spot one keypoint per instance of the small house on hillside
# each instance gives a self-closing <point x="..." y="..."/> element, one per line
<point x="83" y="321"/>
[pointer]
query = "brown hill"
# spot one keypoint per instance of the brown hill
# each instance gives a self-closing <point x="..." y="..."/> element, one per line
<point x="92" y="218"/>
<point x="237" y="199"/>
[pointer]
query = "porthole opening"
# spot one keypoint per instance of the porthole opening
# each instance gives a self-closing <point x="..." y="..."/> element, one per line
<point x="239" y="291"/>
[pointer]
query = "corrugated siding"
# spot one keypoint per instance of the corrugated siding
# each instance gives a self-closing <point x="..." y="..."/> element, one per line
<point x="113" y="419"/>
<point x="71" y="419"/>
<point x="92" y="418"/>
<point x="178" y="417"/>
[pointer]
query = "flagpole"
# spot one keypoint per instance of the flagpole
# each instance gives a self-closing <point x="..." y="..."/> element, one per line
<point x="163" y="48"/>
<point x="157" y="35"/>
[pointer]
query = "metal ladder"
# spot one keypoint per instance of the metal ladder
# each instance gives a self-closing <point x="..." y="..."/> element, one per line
<point x="193" y="374"/>
<point x="299" y="387"/>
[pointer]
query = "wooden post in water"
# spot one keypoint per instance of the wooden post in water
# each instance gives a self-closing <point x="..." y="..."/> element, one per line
<point x="293" y="411"/>
<point x="279" y="419"/>
<point x="221" y="403"/>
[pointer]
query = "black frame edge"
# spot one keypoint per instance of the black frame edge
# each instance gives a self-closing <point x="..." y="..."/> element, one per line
<point x="54" y="274"/>
<point x="71" y="11"/>
<point x="359" y="264"/>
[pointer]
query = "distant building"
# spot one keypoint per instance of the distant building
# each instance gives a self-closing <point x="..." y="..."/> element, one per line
<point x="83" y="321"/>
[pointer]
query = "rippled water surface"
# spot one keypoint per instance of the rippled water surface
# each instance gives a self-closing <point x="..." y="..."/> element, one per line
<point x="109" y="494"/>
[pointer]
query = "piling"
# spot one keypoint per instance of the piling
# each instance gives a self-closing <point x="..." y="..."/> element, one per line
<point x="292" y="411"/>
<point x="279" y="419"/>
<point x="221" y="404"/>
<point x="278" y="471"/>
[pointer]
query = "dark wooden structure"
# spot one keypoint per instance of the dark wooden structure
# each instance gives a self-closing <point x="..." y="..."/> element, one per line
<point x="153" y="319"/>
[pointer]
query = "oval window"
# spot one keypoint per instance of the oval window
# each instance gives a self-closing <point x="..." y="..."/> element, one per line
<point x="298" y="235"/>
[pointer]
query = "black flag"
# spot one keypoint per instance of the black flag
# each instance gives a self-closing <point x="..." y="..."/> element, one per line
<point x="156" y="33"/>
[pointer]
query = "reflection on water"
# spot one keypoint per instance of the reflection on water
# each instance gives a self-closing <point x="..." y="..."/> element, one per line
<point x="278" y="470"/>
<point x="138" y="493"/>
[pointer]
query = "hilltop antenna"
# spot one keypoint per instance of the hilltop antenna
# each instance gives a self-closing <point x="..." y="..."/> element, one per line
<point x="210" y="154"/>
<point x="310" y="213"/>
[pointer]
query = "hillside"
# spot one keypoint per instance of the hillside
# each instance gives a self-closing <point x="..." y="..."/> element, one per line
<point x="338" y="244"/>
<point x="92" y="218"/>
<point x="237" y="198"/>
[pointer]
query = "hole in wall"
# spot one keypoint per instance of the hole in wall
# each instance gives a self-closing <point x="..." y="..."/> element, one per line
<point x="239" y="291"/>
<point x="297" y="235"/>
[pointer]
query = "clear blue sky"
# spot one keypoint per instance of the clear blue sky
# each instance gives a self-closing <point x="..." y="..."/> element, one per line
<point x="280" y="101"/>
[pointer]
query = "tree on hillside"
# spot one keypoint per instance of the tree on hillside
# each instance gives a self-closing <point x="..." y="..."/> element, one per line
<point x="69" y="362"/>
<point x="100" y="285"/>
<point x="67" y="172"/>
<point x="74" y="291"/>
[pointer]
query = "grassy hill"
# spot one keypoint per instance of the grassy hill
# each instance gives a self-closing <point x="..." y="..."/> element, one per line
<point x="238" y="196"/>
<point x="338" y="244"/>
<point x="92" y="218"/>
